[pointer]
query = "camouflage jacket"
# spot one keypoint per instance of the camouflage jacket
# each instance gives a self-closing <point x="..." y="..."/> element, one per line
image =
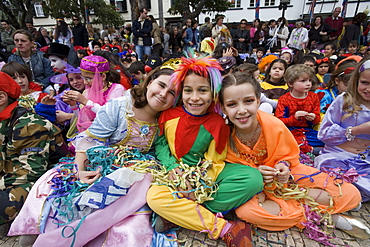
<point x="26" y="149"/>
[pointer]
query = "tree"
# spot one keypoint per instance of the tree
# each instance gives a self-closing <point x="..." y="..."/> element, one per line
<point x="19" y="11"/>
<point x="135" y="6"/>
<point x="190" y="9"/>
<point x="104" y="13"/>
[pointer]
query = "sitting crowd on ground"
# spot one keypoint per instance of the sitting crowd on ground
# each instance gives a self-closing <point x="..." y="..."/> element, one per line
<point x="207" y="128"/>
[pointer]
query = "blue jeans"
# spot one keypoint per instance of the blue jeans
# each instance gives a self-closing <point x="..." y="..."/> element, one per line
<point x="141" y="50"/>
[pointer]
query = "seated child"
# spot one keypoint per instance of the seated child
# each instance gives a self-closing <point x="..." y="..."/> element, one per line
<point x="300" y="108"/>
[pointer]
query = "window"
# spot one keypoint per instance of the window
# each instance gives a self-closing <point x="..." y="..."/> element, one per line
<point x="269" y="2"/>
<point x="235" y="3"/>
<point x="251" y="3"/>
<point x="39" y="10"/>
<point x="121" y="5"/>
<point x="148" y="4"/>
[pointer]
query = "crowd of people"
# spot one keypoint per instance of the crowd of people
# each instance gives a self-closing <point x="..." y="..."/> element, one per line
<point x="118" y="137"/>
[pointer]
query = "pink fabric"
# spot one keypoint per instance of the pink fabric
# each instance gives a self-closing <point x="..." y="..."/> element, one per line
<point x="114" y="216"/>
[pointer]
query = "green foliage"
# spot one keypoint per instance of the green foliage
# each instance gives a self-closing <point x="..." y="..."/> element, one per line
<point x="104" y="13"/>
<point x="192" y="8"/>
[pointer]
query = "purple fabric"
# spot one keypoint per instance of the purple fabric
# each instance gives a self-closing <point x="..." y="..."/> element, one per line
<point x="60" y="104"/>
<point x="94" y="64"/>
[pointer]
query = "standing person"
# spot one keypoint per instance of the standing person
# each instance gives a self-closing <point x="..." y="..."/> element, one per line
<point x="241" y="37"/>
<point x="80" y="33"/>
<point x="191" y="38"/>
<point x="92" y="34"/>
<point x="205" y="30"/>
<point x="62" y="34"/>
<point x="191" y="134"/>
<point x="44" y="39"/>
<point x="30" y="145"/>
<point x="299" y="36"/>
<point x="345" y="132"/>
<point x="292" y="191"/>
<point x="33" y="59"/>
<point x="7" y="36"/>
<point x="318" y="34"/>
<point x="175" y="40"/>
<point x="32" y="30"/>
<point x="281" y="33"/>
<point x="166" y="41"/>
<point x="253" y="29"/>
<point x="220" y="32"/>
<point x="260" y="36"/>
<point x="336" y="23"/>
<point x="353" y="31"/>
<point x="142" y="28"/>
<point x="156" y="35"/>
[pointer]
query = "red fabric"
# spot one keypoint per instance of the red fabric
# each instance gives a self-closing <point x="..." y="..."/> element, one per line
<point x="9" y="86"/>
<point x="7" y="112"/>
<point x="41" y="96"/>
<point x="44" y="49"/>
<point x="34" y="86"/>
<point x="187" y="131"/>
<point x="124" y="81"/>
<point x="288" y="105"/>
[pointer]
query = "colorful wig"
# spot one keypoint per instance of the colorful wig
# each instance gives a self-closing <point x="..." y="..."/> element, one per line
<point x="266" y="61"/>
<point x="206" y="67"/>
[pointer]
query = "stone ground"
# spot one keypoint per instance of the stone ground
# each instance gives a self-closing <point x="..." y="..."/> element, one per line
<point x="288" y="238"/>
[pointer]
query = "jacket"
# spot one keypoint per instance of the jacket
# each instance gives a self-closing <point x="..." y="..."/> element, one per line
<point x="143" y="32"/>
<point x="39" y="65"/>
<point x="189" y="37"/>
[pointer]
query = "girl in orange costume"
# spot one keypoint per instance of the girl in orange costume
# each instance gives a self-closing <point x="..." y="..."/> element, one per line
<point x="262" y="141"/>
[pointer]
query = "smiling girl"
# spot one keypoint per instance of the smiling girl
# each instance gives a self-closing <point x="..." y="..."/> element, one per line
<point x="195" y="135"/>
<point x="261" y="141"/>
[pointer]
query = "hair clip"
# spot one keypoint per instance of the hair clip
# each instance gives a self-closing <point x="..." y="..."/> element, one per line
<point x="324" y="60"/>
<point x="365" y="65"/>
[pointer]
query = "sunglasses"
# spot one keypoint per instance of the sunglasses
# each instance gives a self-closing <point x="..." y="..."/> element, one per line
<point x="243" y="23"/>
<point x="75" y="19"/>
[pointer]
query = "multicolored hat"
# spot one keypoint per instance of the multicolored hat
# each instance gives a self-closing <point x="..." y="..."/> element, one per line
<point x="94" y="64"/>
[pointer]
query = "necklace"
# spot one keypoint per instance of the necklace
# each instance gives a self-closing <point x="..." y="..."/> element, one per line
<point x="251" y="140"/>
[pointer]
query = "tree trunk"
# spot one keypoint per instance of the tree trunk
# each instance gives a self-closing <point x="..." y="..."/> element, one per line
<point x="134" y="10"/>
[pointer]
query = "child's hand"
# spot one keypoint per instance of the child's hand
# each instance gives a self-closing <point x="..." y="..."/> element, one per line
<point x="283" y="173"/>
<point x="75" y="96"/>
<point x="310" y="117"/>
<point x="63" y="116"/>
<point x="300" y="114"/>
<point x="172" y="177"/>
<point x="228" y="52"/>
<point x="48" y="100"/>
<point x="89" y="177"/>
<point x="268" y="173"/>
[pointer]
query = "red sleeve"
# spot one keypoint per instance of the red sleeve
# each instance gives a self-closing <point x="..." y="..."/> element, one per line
<point x="41" y="95"/>
<point x="285" y="111"/>
<point x="316" y="107"/>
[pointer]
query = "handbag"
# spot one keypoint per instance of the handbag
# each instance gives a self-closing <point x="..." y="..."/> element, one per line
<point x="324" y="38"/>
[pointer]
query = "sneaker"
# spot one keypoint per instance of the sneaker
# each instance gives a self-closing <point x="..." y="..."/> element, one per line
<point x="4" y="229"/>
<point x="162" y="225"/>
<point x="239" y="235"/>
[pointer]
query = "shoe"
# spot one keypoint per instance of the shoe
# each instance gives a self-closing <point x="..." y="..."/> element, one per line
<point x="359" y="229"/>
<point x="239" y="235"/>
<point x="4" y="229"/>
<point x="27" y="240"/>
<point x="162" y="225"/>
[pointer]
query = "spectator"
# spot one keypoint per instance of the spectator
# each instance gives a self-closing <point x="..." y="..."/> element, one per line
<point x="92" y="35"/>
<point x="79" y="31"/>
<point x="44" y="39"/>
<point x="191" y="38"/>
<point x="7" y="41"/>
<point x="353" y="31"/>
<point x="282" y="34"/>
<point x="156" y="35"/>
<point x="241" y="37"/>
<point x="220" y="32"/>
<point x="39" y="65"/>
<point x="299" y="36"/>
<point x="336" y="23"/>
<point x="141" y="28"/>
<point x="318" y="34"/>
<point x="62" y="34"/>
<point x="30" y="28"/>
<point x="175" y="40"/>
<point x="205" y="30"/>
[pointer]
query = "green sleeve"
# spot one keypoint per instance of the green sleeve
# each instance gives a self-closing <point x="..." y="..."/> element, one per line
<point x="164" y="155"/>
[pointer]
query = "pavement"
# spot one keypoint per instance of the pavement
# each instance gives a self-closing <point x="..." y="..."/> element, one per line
<point x="288" y="238"/>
